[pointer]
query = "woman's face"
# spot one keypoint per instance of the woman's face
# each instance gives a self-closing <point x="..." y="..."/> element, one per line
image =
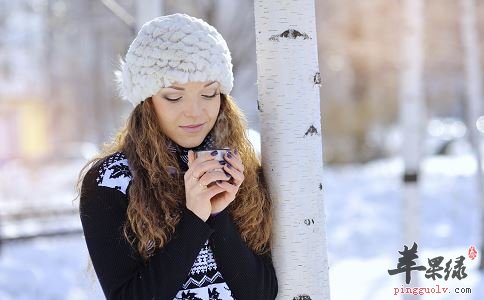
<point x="181" y="105"/>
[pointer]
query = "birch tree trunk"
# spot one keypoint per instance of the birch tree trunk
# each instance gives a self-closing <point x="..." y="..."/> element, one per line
<point x="412" y="118"/>
<point x="147" y="10"/>
<point x="412" y="113"/>
<point x="289" y="104"/>
<point x="474" y="93"/>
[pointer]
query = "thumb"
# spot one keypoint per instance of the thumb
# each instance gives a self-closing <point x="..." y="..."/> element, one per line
<point x="190" y="156"/>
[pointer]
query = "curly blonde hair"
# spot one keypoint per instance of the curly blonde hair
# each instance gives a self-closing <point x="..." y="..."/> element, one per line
<point x="155" y="195"/>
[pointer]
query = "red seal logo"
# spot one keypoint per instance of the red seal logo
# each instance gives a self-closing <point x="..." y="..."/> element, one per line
<point x="472" y="252"/>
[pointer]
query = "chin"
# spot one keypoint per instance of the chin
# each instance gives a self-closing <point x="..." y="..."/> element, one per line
<point x="192" y="142"/>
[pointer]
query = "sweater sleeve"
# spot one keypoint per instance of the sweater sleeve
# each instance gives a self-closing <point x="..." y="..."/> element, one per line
<point x="118" y="266"/>
<point x="249" y="276"/>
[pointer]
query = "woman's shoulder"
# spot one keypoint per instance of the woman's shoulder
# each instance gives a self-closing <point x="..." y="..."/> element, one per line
<point x="112" y="172"/>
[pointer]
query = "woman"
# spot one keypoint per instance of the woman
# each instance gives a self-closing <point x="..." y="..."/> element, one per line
<point x="159" y="222"/>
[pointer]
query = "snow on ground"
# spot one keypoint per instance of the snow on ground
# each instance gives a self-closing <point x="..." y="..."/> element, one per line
<point x="363" y="231"/>
<point x="47" y="268"/>
<point x="364" y="224"/>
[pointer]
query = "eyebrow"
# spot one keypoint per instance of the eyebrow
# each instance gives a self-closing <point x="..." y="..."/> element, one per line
<point x="182" y="89"/>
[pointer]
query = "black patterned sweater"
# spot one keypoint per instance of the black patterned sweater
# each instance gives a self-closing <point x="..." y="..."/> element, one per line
<point x="203" y="260"/>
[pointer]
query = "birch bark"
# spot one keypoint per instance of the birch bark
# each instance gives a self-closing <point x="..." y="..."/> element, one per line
<point x="474" y="93"/>
<point x="288" y="91"/>
<point x="412" y="117"/>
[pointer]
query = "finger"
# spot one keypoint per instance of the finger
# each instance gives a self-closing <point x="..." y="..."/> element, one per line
<point x="201" y="160"/>
<point x="232" y="189"/>
<point x="192" y="177"/>
<point x="212" y="191"/>
<point x="189" y="176"/>
<point x="191" y="156"/>
<point x="237" y="163"/>
<point x="207" y="166"/>
<point x="205" y="157"/>
<point x="192" y="183"/>
<point x="237" y="154"/>
<point x="214" y="175"/>
<point x="238" y="177"/>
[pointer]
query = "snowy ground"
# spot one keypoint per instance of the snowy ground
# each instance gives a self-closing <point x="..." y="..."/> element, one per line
<point x="364" y="224"/>
<point x="363" y="232"/>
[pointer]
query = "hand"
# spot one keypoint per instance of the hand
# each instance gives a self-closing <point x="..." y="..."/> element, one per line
<point x="197" y="178"/>
<point x="235" y="168"/>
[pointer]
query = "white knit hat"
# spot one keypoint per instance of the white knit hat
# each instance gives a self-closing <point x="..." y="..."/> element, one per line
<point x="173" y="48"/>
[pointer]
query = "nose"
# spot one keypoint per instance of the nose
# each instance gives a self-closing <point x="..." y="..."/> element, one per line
<point x="193" y="108"/>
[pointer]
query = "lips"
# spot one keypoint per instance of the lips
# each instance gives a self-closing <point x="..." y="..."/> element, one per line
<point x="192" y="126"/>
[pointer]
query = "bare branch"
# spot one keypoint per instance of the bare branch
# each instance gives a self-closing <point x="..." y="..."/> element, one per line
<point x="120" y="12"/>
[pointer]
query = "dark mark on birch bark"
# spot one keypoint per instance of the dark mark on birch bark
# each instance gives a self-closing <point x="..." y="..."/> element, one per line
<point x="302" y="297"/>
<point x="410" y="177"/>
<point x="289" y="34"/>
<point x="312" y="130"/>
<point x="317" y="79"/>
<point x="308" y="221"/>
<point x="320" y="186"/>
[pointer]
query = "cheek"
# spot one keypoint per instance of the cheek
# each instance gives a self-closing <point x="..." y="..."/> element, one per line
<point x="166" y="111"/>
<point x="214" y="109"/>
<point x="166" y="115"/>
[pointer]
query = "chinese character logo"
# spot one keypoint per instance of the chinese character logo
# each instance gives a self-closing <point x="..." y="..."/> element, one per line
<point x="406" y="262"/>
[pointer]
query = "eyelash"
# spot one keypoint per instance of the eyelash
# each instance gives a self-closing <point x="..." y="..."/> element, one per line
<point x="176" y="100"/>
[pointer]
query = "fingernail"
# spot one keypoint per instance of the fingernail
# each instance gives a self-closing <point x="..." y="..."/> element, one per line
<point x="229" y="165"/>
<point x="214" y="152"/>
<point x="228" y="175"/>
<point x="219" y="181"/>
<point x="222" y="162"/>
<point x="229" y="155"/>
<point x="236" y="152"/>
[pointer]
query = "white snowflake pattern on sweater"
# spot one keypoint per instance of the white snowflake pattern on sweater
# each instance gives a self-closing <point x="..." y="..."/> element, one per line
<point x="204" y="282"/>
<point x="115" y="173"/>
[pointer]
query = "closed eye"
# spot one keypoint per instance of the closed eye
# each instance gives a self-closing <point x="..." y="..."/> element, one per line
<point x="212" y="96"/>
<point x="173" y="100"/>
<point x="176" y="99"/>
